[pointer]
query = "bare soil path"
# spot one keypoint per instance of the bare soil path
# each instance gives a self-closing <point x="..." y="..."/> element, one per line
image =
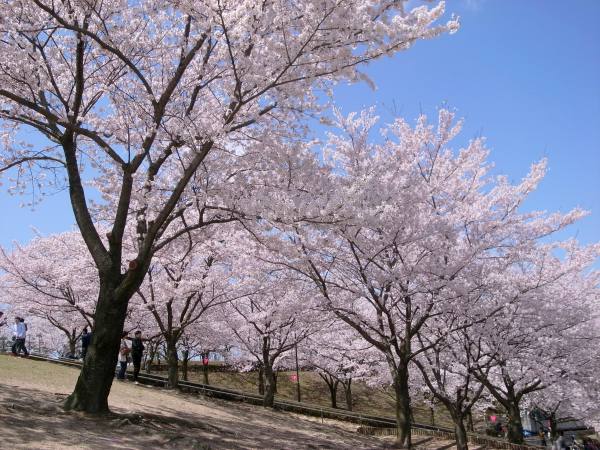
<point x="31" y="417"/>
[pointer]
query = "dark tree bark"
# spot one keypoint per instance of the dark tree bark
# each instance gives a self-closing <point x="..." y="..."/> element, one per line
<point x="173" y="363"/>
<point x="261" y="380"/>
<point x="332" y="384"/>
<point x="403" y="413"/>
<point x="96" y="377"/>
<point x="515" y="426"/>
<point x="460" y="432"/>
<point x="270" y="388"/>
<point x="347" y="385"/>
<point x="184" y="365"/>
<point x="205" y="372"/>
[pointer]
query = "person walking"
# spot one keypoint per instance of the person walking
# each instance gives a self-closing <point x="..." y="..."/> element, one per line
<point x="123" y="355"/>
<point x="19" y="335"/>
<point x="137" y="352"/>
<point x="86" y="338"/>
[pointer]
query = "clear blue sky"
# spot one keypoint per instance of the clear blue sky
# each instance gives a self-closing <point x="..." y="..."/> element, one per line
<point x="525" y="74"/>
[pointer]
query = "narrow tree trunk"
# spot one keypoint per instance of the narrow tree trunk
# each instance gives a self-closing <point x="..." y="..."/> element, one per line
<point x="553" y="427"/>
<point x="403" y="439"/>
<point x="184" y="365"/>
<point x="348" y="393"/>
<point x="205" y="372"/>
<point x="470" y="426"/>
<point x="150" y="360"/>
<point x="261" y="381"/>
<point x="72" y="345"/>
<point x="515" y="427"/>
<point x="332" y="384"/>
<point x="275" y="375"/>
<point x="270" y="387"/>
<point x="173" y="363"/>
<point x="96" y="376"/>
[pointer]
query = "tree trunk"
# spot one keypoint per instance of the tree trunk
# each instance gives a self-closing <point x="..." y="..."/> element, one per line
<point x="96" y="376"/>
<point x="261" y="381"/>
<point x="150" y="360"/>
<point x="275" y="375"/>
<point x="470" y="426"/>
<point x="553" y="427"/>
<point x="460" y="432"/>
<point x="173" y="363"/>
<point x="72" y="345"/>
<point x="403" y="439"/>
<point x="348" y="393"/>
<point x="270" y="387"/>
<point x="515" y="427"/>
<point x="205" y="372"/>
<point x="184" y="365"/>
<point x="332" y="384"/>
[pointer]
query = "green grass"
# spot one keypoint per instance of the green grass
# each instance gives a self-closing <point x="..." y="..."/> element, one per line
<point x="314" y="390"/>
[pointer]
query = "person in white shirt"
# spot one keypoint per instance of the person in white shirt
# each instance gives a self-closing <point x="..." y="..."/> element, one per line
<point x="19" y="335"/>
<point x="123" y="354"/>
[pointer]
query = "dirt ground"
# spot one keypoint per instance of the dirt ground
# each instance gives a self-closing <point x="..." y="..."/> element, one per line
<point x="31" y="417"/>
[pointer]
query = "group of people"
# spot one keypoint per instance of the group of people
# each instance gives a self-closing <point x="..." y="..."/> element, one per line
<point x="135" y="353"/>
<point x="126" y="353"/>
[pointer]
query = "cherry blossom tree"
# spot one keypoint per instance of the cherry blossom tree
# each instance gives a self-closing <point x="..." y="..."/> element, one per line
<point x="339" y="356"/>
<point x="412" y="220"/>
<point x="272" y="314"/>
<point x="52" y="278"/>
<point x="186" y="280"/>
<point x="548" y="302"/>
<point x="142" y="93"/>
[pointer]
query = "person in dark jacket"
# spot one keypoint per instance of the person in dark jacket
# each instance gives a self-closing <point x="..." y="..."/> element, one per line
<point x="86" y="338"/>
<point x="137" y="352"/>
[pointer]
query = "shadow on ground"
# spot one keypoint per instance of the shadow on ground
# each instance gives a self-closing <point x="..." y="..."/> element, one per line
<point x="33" y="419"/>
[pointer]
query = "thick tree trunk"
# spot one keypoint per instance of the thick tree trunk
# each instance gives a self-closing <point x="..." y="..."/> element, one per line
<point x="460" y="432"/>
<point x="261" y="381"/>
<point x="270" y="387"/>
<point x="348" y="393"/>
<point x="96" y="377"/>
<point x="403" y="439"/>
<point x="173" y="363"/>
<point x="515" y="427"/>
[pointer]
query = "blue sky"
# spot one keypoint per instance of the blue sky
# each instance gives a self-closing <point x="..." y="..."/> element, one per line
<point x="523" y="73"/>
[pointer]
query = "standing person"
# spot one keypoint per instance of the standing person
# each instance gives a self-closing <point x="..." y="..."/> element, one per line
<point x="137" y="351"/>
<point x="123" y="354"/>
<point x="559" y="444"/>
<point x="86" y="338"/>
<point x="19" y="335"/>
